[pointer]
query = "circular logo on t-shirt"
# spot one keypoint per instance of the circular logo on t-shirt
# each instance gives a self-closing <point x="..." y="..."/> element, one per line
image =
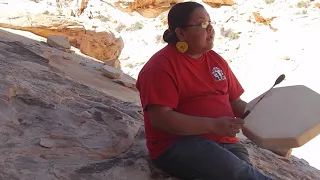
<point x="218" y="74"/>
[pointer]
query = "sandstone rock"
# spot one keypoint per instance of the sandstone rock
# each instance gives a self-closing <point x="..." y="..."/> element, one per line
<point x="219" y="3"/>
<point x="80" y="6"/>
<point x="111" y="72"/>
<point x="58" y="42"/>
<point x="147" y="8"/>
<point x="8" y="114"/>
<point x="49" y="135"/>
<point x="46" y="143"/>
<point x="103" y="46"/>
<point x="266" y="21"/>
<point x="86" y="115"/>
<point x="114" y="63"/>
<point x="67" y="58"/>
<point x="126" y="81"/>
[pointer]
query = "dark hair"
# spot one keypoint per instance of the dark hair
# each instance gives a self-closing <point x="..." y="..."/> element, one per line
<point x="178" y="16"/>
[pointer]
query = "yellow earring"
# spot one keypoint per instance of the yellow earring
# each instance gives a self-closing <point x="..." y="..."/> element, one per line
<point x="182" y="47"/>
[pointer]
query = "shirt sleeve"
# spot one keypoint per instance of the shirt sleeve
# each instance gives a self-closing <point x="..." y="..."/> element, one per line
<point x="235" y="89"/>
<point x="157" y="86"/>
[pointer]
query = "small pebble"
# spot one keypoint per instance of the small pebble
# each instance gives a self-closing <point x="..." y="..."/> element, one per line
<point x="86" y="115"/>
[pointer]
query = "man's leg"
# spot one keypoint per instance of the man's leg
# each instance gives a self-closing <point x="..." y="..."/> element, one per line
<point x="199" y="158"/>
<point x="239" y="150"/>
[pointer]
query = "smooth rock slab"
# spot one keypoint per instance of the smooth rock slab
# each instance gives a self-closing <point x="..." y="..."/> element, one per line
<point x="111" y="72"/>
<point x="58" y="42"/>
<point x="43" y="132"/>
<point x="126" y="81"/>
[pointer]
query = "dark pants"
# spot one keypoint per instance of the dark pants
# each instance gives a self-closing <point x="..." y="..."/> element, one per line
<point x="198" y="158"/>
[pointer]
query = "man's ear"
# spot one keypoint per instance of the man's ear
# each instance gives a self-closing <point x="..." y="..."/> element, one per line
<point x="180" y="34"/>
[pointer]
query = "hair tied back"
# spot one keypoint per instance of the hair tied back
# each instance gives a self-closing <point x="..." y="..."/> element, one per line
<point x="167" y="35"/>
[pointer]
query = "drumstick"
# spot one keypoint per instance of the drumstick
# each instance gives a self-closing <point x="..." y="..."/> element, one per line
<point x="278" y="81"/>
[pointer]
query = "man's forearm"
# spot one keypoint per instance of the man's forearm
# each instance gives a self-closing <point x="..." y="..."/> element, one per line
<point x="238" y="107"/>
<point x="181" y="124"/>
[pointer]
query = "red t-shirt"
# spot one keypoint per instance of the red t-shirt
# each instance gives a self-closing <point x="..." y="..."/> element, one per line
<point x="202" y="87"/>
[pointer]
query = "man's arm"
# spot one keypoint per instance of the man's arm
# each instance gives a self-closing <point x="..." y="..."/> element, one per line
<point x="166" y="119"/>
<point x="238" y="107"/>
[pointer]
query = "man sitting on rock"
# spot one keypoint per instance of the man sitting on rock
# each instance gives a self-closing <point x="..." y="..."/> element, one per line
<point x="191" y="99"/>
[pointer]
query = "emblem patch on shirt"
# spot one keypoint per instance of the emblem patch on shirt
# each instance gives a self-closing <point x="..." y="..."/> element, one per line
<point x="218" y="74"/>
